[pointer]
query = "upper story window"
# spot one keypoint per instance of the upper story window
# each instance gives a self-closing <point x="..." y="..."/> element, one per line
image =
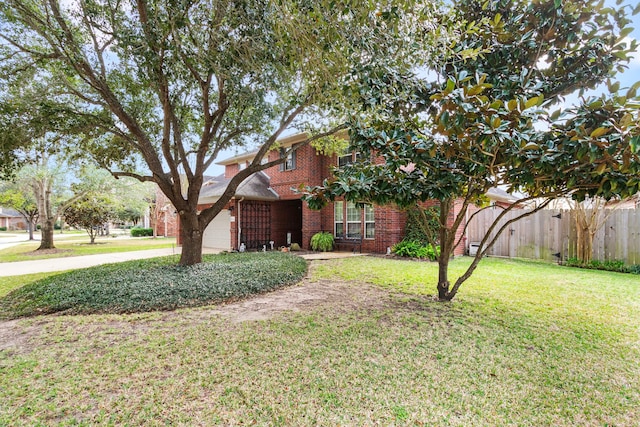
<point x="242" y="165"/>
<point x="290" y="162"/>
<point x="348" y="158"/>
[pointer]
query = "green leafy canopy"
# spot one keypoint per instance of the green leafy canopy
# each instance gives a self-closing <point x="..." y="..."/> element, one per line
<point x="155" y="89"/>
<point x="481" y="118"/>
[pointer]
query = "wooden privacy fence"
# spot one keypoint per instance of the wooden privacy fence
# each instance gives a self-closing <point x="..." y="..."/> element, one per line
<point x="551" y="235"/>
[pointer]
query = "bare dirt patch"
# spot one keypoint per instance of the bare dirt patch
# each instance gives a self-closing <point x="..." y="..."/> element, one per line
<point x="16" y="336"/>
<point x="22" y="336"/>
<point x="342" y="296"/>
<point x="39" y="252"/>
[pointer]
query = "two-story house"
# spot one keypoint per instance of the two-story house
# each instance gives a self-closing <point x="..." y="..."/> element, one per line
<point x="266" y="207"/>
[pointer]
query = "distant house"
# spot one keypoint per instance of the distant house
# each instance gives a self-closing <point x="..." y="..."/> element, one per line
<point x="165" y="218"/>
<point x="11" y="219"/>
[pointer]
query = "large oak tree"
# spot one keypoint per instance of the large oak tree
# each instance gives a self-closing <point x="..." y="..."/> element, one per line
<point x="174" y="82"/>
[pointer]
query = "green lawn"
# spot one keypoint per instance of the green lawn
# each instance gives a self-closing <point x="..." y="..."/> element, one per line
<point x="9" y="283"/>
<point x="524" y="344"/>
<point x="80" y="246"/>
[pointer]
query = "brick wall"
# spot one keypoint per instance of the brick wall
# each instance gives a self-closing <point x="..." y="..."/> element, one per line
<point x="311" y="168"/>
<point x="166" y="222"/>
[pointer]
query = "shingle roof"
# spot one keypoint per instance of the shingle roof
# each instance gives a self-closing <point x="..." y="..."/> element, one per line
<point x="256" y="187"/>
<point x="9" y="213"/>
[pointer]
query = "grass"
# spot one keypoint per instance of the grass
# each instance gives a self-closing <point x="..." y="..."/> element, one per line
<point x="9" y="283"/>
<point x="24" y="251"/>
<point x="524" y="344"/>
<point x="153" y="284"/>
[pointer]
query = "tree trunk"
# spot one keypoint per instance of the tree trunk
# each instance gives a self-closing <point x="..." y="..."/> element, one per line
<point x="191" y="239"/>
<point x="446" y="250"/>
<point x="443" y="278"/>
<point x="46" y="234"/>
<point x="584" y="243"/>
<point x="42" y="191"/>
<point x="30" y="227"/>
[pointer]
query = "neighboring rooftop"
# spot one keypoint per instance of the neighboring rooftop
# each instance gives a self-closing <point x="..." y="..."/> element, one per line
<point x="9" y="213"/>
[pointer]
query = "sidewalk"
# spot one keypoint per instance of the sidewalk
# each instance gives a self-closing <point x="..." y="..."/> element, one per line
<point x="72" y="263"/>
<point x="76" y="262"/>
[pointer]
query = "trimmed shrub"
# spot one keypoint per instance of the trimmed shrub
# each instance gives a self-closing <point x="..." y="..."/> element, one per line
<point x="154" y="284"/>
<point x="610" y="265"/>
<point x="294" y="247"/>
<point x="322" y="241"/>
<point x="3" y="228"/>
<point x="141" y="232"/>
<point x="415" y="249"/>
<point x="634" y="269"/>
<point x="422" y="224"/>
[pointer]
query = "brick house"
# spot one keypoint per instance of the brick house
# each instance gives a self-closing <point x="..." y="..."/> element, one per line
<point x="165" y="217"/>
<point x="266" y="207"/>
<point x="10" y="219"/>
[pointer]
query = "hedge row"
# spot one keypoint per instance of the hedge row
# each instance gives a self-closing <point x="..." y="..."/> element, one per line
<point x="141" y="232"/>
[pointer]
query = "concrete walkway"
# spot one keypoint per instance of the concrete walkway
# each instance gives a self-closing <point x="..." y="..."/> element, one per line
<point x="76" y="262"/>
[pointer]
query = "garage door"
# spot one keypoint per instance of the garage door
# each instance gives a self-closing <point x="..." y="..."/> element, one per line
<point x="218" y="233"/>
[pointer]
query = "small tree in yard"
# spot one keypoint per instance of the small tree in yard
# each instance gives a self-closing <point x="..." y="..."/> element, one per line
<point x="15" y="196"/>
<point x="45" y="179"/>
<point x="90" y="213"/>
<point x="472" y="128"/>
<point x="590" y="215"/>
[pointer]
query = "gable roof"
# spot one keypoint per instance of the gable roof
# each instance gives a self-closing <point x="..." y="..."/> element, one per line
<point x="9" y="213"/>
<point x="256" y="187"/>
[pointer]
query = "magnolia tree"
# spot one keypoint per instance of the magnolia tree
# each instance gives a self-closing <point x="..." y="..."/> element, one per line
<point x="481" y="120"/>
<point x="174" y="83"/>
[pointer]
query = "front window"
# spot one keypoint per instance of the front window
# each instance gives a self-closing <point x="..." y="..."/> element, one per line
<point x="338" y="211"/>
<point x="369" y="222"/>
<point x="345" y="160"/>
<point x="354" y="221"/>
<point x="358" y="218"/>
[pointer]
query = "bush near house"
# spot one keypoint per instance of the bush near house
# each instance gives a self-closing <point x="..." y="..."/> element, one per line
<point x="322" y="242"/>
<point x="416" y="249"/>
<point x="141" y="232"/>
